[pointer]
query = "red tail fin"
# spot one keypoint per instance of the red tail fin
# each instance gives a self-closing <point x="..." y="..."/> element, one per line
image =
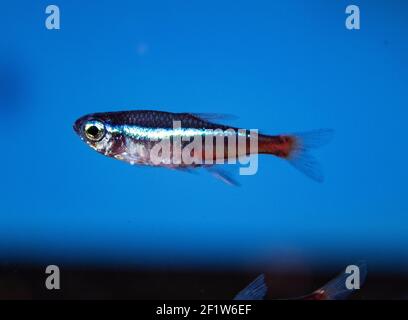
<point x="295" y="148"/>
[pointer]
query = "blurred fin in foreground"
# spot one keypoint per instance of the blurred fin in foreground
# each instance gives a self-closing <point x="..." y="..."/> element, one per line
<point x="256" y="290"/>
<point x="336" y="289"/>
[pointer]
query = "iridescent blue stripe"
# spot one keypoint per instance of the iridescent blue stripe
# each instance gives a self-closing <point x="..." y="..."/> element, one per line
<point x="155" y="134"/>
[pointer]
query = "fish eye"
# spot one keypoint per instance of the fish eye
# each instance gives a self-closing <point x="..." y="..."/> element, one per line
<point x="94" y="130"/>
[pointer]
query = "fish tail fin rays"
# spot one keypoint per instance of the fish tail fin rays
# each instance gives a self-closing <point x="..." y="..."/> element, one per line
<point x="296" y="149"/>
<point x="256" y="290"/>
<point x="337" y="289"/>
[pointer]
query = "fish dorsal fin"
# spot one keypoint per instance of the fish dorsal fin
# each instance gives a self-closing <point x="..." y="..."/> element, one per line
<point x="214" y="116"/>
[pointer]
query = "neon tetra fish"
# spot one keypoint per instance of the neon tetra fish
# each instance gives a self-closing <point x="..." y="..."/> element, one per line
<point x="134" y="137"/>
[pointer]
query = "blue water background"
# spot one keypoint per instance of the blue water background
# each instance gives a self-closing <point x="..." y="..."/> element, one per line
<point x="280" y="66"/>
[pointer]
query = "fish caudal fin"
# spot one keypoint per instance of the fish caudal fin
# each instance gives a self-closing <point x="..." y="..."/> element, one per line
<point x="337" y="289"/>
<point x="299" y="156"/>
<point x="295" y="148"/>
<point x="256" y="290"/>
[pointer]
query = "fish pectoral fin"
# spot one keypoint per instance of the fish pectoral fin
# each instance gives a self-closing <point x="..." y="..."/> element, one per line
<point x="223" y="176"/>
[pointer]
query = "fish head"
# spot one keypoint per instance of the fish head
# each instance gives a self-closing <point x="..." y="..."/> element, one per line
<point x="90" y="129"/>
<point x="97" y="133"/>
